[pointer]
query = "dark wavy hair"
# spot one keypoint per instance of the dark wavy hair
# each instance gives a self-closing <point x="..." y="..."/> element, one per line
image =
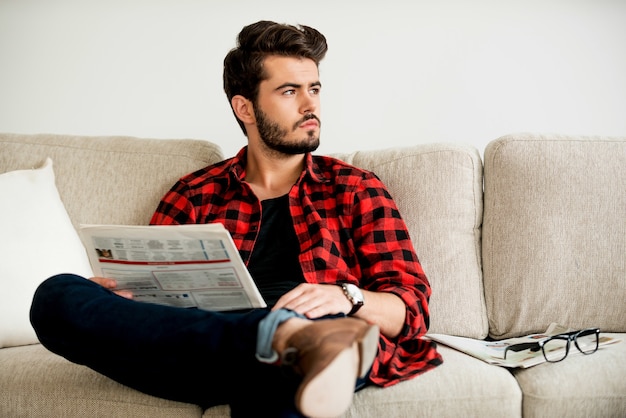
<point x="243" y="65"/>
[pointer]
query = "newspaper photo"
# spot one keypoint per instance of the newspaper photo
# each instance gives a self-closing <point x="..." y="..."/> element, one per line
<point x="178" y="265"/>
<point x="493" y="352"/>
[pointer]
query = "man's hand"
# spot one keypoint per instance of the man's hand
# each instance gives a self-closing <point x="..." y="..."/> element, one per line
<point x="315" y="300"/>
<point x="111" y="284"/>
<point x="384" y="309"/>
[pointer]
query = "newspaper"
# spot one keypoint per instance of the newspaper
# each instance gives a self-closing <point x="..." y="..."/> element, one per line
<point x="492" y="352"/>
<point x="179" y="265"/>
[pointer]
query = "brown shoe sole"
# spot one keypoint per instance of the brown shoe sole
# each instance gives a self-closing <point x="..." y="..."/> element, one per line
<point x="344" y="350"/>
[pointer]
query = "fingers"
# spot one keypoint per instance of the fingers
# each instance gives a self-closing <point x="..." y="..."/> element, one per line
<point x="314" y="300"/>
<point x="111" y="284"/>
<point x="104" y="282"/>
<point x="124" y="293"/>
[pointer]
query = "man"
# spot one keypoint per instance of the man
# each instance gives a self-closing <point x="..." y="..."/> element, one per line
<point x="323" y="241"/>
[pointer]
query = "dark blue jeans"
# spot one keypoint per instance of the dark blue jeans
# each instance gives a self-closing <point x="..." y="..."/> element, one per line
<point x="188" y="355"/>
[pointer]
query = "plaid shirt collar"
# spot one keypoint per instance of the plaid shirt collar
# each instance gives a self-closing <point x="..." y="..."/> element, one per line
<point x="312" y="170"/>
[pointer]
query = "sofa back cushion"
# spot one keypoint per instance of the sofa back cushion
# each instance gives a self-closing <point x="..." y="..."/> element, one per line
<point x="554" y="233"/>
<point x="110" y="180"/>
<point x="438" y="189"/>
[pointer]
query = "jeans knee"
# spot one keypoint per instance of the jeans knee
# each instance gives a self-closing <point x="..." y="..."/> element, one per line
<point x="49" y="293"/>
<point x="55" y="285"/>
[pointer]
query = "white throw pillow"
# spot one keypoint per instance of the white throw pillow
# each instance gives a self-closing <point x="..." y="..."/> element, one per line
<point x="37" y="240"/>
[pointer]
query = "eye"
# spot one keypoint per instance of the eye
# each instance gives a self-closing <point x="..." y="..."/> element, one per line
<point x="315" y="91"/>
<point x="289" y="92"/>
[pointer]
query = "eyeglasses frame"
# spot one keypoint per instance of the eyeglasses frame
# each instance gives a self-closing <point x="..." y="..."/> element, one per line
<point x="567" y="336"/>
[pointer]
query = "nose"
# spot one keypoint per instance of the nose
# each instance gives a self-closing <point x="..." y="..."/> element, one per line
<point x="308" y="105"/>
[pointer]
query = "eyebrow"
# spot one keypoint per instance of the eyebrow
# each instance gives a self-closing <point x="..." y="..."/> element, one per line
<point x="297" y="86"/>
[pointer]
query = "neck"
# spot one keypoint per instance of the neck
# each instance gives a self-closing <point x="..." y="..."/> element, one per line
<point x="273" y="175"/>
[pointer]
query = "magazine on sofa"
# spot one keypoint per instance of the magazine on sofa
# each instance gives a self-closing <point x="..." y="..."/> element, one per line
<point x="523" y="352"/>
<point x="178" y="265"/>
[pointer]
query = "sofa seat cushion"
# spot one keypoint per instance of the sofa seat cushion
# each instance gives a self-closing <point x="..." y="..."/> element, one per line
<point x="42" y="384"/>
<point x="462" y="386"/>
<point x="45" y="384"/>
<point x="580" y="386"/>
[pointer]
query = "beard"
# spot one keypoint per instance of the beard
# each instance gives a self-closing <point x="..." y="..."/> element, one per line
<point x="274" y="136"/>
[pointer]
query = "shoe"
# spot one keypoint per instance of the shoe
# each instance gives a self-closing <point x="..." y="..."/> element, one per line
<point x="329" y="355"/>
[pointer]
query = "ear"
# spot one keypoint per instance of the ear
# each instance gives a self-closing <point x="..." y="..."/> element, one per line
<point x="243" y="108"/>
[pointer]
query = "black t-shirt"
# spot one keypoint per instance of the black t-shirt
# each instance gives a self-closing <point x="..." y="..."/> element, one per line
<point x="274" y="264"/>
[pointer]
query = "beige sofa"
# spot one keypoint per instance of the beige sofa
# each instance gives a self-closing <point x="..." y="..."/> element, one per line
<point x="536" y="234"/>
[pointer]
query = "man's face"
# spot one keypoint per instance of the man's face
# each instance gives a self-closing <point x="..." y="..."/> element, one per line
<point x="287" y="109"/>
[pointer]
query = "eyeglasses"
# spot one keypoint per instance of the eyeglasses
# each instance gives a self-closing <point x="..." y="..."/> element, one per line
<point x="556" y="347"/>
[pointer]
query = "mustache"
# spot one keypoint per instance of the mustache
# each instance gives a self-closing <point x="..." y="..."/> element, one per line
<point x="307" y="117"/>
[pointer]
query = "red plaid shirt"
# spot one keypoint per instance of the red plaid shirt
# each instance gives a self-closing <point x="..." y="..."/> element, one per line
<point x="349" y="230"/>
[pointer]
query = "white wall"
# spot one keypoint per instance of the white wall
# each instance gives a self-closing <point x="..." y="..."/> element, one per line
<point x="398" y="72"/>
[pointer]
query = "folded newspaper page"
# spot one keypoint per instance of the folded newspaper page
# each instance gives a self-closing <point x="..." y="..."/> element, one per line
<point x="178" y="265"/>
<point x="493" y="352"/>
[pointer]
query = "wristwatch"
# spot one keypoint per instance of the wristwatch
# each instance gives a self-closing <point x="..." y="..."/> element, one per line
<point x="354" y="295"/>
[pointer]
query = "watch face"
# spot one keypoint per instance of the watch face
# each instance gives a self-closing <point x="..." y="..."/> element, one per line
<point x="354" y="293"/>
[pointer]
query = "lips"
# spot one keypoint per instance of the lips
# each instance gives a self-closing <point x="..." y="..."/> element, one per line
<point x="310" y="121"/>
<point x="310" y="124"/>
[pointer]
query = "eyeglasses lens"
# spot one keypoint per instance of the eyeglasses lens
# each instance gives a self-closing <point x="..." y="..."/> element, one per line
<point x="555" y="349"/>
<point x="587" y="341"/>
